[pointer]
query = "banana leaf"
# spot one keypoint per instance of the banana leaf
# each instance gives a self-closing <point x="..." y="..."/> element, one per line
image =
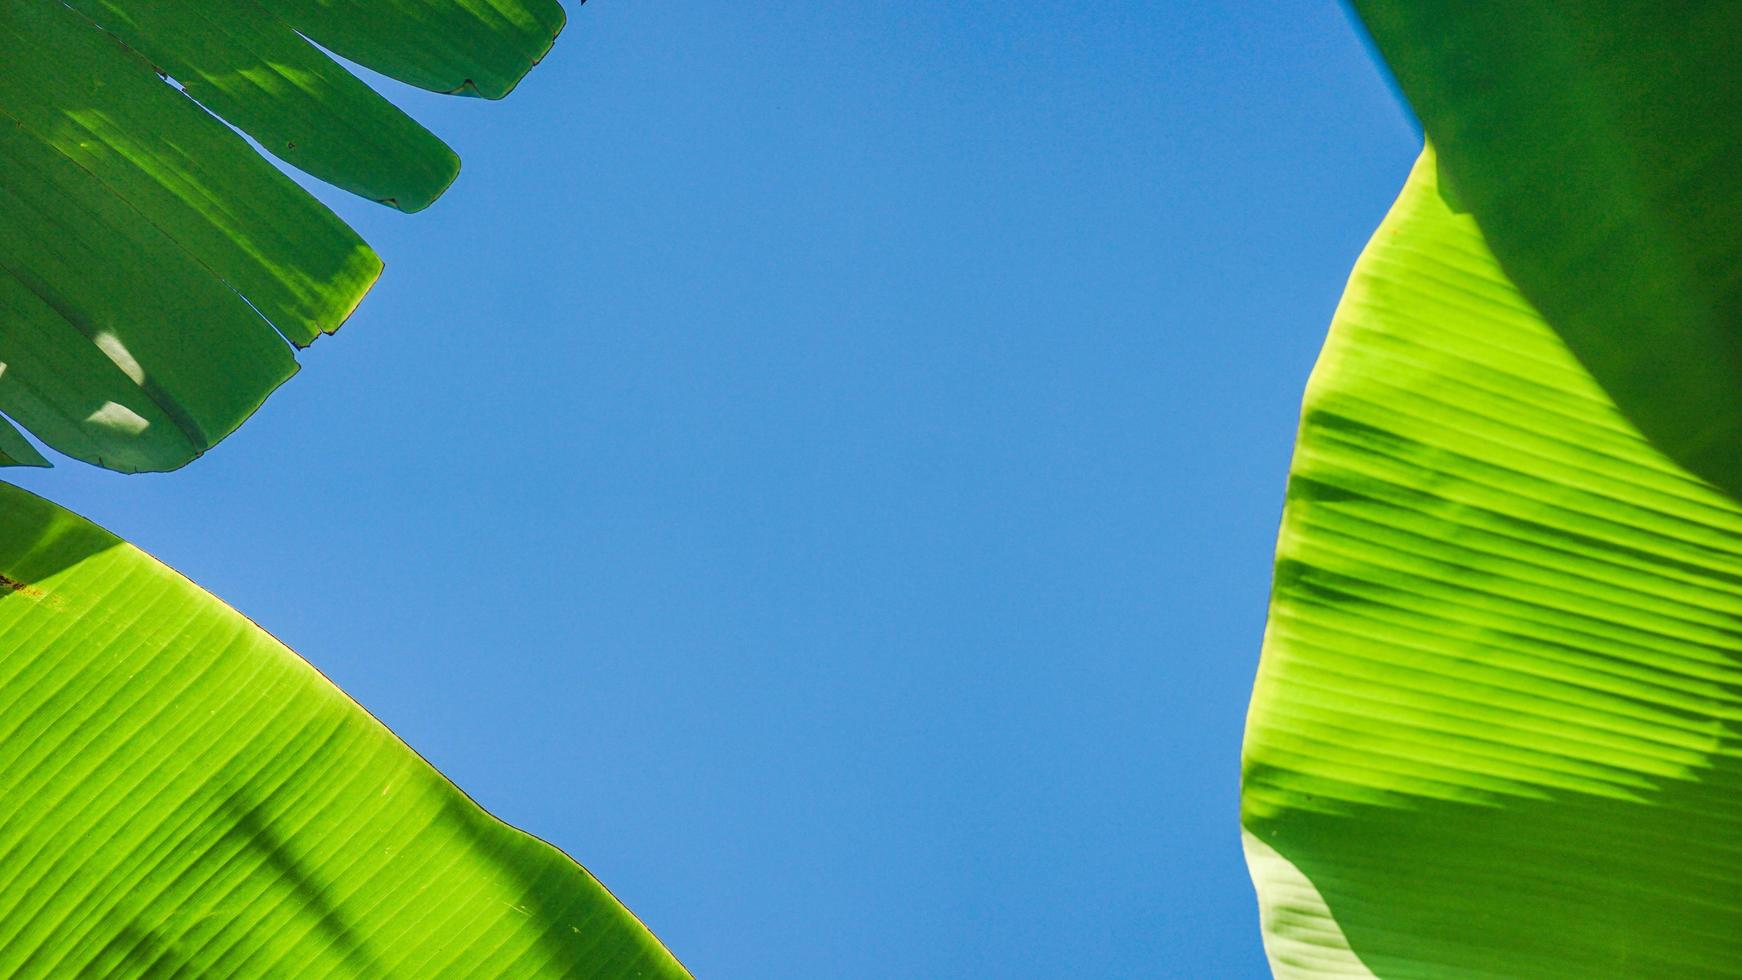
<point x="181" y="795"/>
<point x="155" y="270"/>
<point x="1495" y="727"/>
<point x="1596" y="144"/>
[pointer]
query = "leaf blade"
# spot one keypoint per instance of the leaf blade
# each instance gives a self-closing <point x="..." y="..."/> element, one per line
<point x="182" y="792"/>
<point x="463" y="47"/>
<point x="1496" y="721"/>
<point x="244" y="64"/>
<point x="186" y="239"/>
<point x="1595" y="145"/>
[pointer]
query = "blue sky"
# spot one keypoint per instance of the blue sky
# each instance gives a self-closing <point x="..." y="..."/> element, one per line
<point x="819" y="466"/>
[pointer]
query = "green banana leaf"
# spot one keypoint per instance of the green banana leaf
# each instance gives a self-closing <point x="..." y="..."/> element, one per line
<point x="1596" y="144"/>
<point x="1495" y="731"/>
<point x="182" y="795"/>
<point x="155" y="271"/>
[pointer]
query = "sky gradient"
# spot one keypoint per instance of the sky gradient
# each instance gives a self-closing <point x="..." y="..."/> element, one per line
<point x="820" y="464"/>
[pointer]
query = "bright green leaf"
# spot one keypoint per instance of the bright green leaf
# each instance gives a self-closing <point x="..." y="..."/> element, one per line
<point x="1494" y="732"/>
<point x="184" y="796"/>
<point x="1596" y="143"/>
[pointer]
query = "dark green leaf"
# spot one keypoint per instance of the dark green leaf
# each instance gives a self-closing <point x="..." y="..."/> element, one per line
<point x="148" y="253"/>
<point x="1596" y="143"/>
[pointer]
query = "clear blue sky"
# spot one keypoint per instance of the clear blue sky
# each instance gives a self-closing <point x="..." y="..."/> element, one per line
<point x="820" y="465"/>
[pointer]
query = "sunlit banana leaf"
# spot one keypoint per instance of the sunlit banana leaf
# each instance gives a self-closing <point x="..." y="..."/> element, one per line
<point x="181" y="795"/>
<point x="1597" y="145"/>
<point x="153" y="266"/>
<point x="1495" y="729"/>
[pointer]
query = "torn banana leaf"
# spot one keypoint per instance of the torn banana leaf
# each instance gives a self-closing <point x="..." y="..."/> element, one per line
<point x="153" y="265"/>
